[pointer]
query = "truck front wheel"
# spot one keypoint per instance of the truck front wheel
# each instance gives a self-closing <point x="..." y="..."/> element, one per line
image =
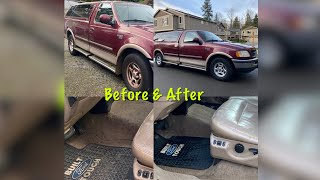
<point x="221" y="69"/>
<point x="137" y="73"/>
<point x="159" y="59"/>
<point x="71" y="46"/>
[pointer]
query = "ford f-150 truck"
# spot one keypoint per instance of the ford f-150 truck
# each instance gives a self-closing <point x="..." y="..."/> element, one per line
<point x="205" y="51"/>
<point x="117" y="35"/>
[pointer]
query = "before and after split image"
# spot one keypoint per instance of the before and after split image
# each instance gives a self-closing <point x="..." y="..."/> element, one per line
<point x="159" y="90"/>
<point x="200" y="55"/>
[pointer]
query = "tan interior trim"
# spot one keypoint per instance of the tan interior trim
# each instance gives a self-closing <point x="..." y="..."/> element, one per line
<point x="228" y="153"/>
<point x="136" y="167"/>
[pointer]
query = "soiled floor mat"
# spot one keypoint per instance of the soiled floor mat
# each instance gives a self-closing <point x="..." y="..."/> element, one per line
<point x="183" y="152"/>
<point x="98" y="162"/>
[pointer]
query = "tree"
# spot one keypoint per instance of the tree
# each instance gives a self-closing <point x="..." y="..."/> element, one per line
<point x="248" y="19"/>
<point x="218" y="17"/>
<point x="255" y="20"/>
<point x="230" y="14"/>
<point x="207" y="10"/>
<point x="236" y="23"/>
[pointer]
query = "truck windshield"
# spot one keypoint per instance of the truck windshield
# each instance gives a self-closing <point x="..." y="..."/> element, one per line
<point x="209" y="37"/>
<point x="134" y="13"/>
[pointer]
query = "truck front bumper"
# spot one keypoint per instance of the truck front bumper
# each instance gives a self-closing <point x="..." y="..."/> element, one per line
<point x="245" y="65"/>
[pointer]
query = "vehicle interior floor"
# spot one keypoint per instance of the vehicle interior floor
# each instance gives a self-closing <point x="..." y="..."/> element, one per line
<point x="116" y="128"/>
<point x="196" y="123"/>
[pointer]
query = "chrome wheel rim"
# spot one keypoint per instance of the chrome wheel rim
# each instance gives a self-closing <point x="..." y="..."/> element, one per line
<point x="71" y="45"/>
<point x="158" y="60"/>
<point x="134" y="75"/>
<point x="220" y="69"/>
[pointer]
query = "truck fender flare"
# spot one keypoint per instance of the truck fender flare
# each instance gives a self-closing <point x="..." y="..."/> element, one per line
<point x="136" y="47"/>
<point x="159" y="51"/>
<point x="69" y="30"/>
<point x="217" y="53"/>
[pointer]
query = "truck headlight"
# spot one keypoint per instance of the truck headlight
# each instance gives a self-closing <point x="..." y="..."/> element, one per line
<point x="242" y="54"/>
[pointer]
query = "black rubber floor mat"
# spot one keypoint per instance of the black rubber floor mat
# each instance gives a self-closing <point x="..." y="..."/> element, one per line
<point x="183" y="152"/>
<point x="98" y="162"/>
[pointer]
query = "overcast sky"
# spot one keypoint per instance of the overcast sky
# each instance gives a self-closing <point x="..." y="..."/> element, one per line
<point x="194" y="6"/>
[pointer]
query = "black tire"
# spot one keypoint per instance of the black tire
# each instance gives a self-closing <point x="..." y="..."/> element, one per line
<point x="158" y="58"/>
<point x="72" y="51"/>
<point x="146" y="83"/>
<point x="228" y="66"/>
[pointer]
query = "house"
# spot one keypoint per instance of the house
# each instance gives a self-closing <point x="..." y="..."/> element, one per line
<point x="233" y="33"/>
<point x="170" y="19"/>
<point x="249" y="32"/>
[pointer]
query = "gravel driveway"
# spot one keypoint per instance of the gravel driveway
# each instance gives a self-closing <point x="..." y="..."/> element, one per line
<point x="84" y="77"/>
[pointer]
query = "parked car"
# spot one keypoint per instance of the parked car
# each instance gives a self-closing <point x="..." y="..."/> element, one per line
<point x="117" y="35"/>
<point x="205" y="51"/>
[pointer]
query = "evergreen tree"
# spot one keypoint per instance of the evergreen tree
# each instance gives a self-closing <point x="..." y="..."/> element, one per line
<point x="236" y="23"/>
<point x="255" y="20"/>
<point x="216" y="19"/>
<point x="207" y="10"/>
<point x="248" y="21"/>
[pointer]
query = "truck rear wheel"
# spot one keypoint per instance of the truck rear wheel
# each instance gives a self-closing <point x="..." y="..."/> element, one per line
<point x="71" y="46"/>
<point x="221" y="69"/>
<point x="159" y="59"/>
<point x="137" y="73"/>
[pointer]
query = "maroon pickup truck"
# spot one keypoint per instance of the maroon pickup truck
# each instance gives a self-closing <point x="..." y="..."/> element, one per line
<point x="205" y="51"/>
<point x="117" y="35"/>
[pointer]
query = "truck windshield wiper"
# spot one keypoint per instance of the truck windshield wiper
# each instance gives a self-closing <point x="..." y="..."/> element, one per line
<point x="136" y="20"/>
<point x="213" y="40"/>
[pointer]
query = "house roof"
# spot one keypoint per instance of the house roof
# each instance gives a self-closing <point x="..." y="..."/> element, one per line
<point x="250" y="27"/>
<point x="171" y="11"/>
<point x="234" y="30"/>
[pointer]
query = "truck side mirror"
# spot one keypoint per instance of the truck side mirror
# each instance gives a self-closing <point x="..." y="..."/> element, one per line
<point x="106" y="19"/>
<point x="197" y="40"/>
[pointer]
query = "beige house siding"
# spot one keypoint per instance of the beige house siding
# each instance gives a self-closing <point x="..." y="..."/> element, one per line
<point x="182" y="24"/>
<point x="175" y="22"/>
<point x="248" y="32"/>
<point x="187" y="22"/>
<point x="193" y="23"/>
<point x="160" y="27"/>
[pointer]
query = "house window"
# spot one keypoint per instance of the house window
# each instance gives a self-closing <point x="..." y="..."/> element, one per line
<point x="165" y="21"/>
<point x="155" y="22"/>
<point x="180" y="20"/>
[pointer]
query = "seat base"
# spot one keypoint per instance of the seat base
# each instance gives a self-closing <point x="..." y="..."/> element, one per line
<point x="222" y="148"/>
<point x="141" y="172"/>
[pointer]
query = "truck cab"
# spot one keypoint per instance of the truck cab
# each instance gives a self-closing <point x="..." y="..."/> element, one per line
<point x="204" y="50"/>
<point x="117" y="35"/>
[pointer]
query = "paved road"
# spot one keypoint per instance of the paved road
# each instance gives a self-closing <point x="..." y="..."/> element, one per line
<point x="83" y="77"/>
<point x="176" y="76"/>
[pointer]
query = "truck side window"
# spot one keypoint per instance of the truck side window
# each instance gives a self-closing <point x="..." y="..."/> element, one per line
<point x="190" y="37"/>
<point x="82" y="11"/>
<point x="104" y="8"/>
<point x="170" y="36"/>
<point x="70" y="12"/>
